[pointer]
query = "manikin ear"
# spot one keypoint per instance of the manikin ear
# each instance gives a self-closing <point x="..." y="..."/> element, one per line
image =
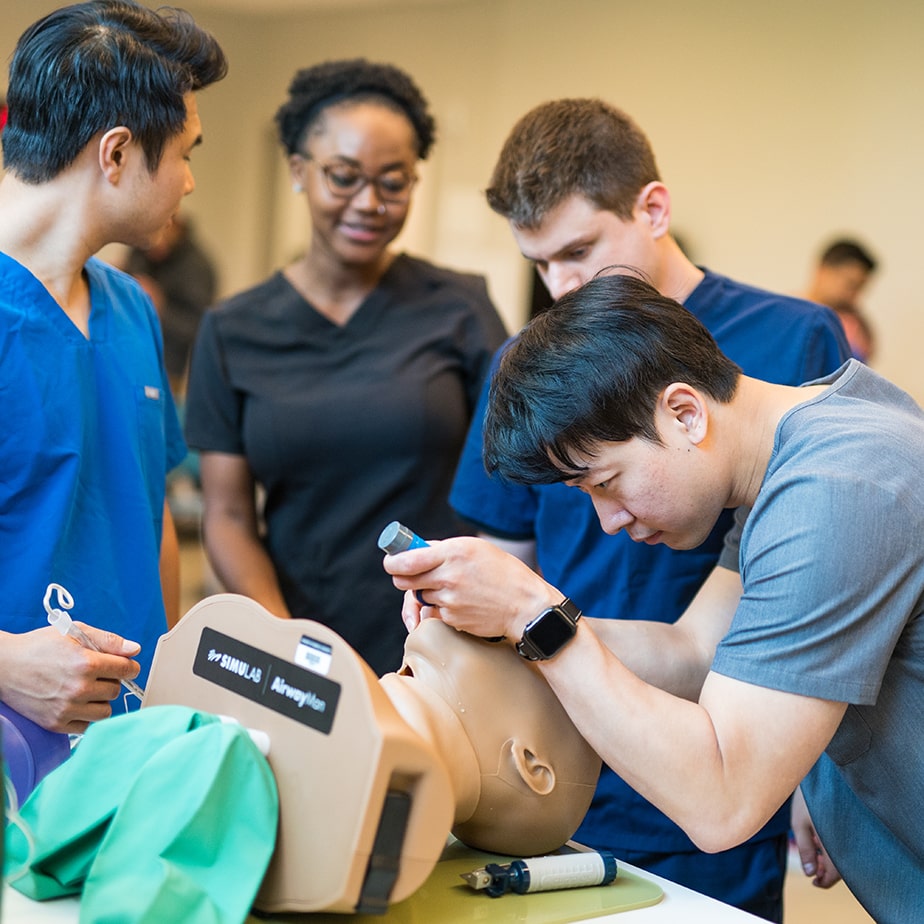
<point x="653" y="204"/>
<point x="113" y="152"/>
<point x="531" y="769"/>
<point x="686" y="408"/>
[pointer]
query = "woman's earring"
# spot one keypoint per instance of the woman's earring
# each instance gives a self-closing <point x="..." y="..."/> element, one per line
<point x="297" y="187"/>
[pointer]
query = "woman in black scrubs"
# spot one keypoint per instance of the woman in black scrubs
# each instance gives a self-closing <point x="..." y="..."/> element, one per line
<point x="343" y="385"/>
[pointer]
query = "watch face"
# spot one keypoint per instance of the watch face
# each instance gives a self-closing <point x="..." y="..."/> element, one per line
<point x="550" y="632"/>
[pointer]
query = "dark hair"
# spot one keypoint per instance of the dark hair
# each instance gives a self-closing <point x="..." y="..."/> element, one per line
<point x="845" y="250"/>
<point x="567" y="147"/>
<point x="91" y="66"/>
<point x="590" y="369"/>
<point x="314" y="89"/>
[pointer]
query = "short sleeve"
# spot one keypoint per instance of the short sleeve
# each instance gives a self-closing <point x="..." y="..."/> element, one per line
<point x="823" y="574"/>
<point x="213" y="407"/>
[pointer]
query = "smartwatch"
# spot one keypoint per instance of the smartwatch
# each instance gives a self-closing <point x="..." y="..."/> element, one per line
<point x="549" y="632"/>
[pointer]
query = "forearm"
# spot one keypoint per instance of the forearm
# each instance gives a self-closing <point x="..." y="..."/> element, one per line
<point x="241" y="562"/>
<point x="704" y="764"/>
<point x="170" y="569"/>
<point x="677" y="657"/>
<point x="659" y="653"/>
<point x="638" y="730"/>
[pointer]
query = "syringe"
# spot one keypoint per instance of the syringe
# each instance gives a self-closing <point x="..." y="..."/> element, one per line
<point x="66" y="626"/>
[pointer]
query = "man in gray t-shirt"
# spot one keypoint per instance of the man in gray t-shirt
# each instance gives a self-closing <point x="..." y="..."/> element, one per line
<point x="801" y="655"/>
<point x="831" y="609"/>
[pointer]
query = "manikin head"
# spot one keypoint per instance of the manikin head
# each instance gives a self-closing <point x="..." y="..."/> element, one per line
<point x="467" y="729"/>
<point x="522" y="775"/>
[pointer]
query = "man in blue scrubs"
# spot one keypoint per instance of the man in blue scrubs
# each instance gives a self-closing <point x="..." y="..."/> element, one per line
<point x="102" y="121"/>
<point x="578" y="183"/>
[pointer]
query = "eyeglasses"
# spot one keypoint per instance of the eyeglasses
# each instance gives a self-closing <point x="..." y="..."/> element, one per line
<point x="345" y="181"/>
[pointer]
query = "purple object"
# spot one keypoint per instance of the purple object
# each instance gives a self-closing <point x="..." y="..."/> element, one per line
<point x="30" y="752"/>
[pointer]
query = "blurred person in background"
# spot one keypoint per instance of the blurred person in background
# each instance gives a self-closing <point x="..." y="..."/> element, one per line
<point x="838" y="280"/>
<point x="181" y="279"/>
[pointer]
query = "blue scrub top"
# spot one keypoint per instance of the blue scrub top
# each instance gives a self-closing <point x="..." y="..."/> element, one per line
<point x="89" y="433"/>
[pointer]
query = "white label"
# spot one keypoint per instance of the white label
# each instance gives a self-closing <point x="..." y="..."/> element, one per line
<point x="314" y="655"/>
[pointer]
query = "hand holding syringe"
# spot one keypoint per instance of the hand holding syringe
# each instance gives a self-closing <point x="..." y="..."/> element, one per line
<point x="66" y="626"/>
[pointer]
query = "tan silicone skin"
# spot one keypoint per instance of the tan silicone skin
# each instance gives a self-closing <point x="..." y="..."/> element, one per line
<point x="522" y="775"/>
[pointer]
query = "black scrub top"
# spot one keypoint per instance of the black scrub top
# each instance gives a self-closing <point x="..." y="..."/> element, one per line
<point x="346" y="428"/>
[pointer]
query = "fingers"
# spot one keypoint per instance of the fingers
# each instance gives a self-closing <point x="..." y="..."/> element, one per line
<point x="95" y="674"/>
<point x="110" y="643"/>
<point x="73" y="707"/>
<point x="411" y="611"/>
<point x="812" y="854"/>
<point x="470" y="585"/>
<point x="804" y="833"/>
<point x="827" y="874"/>
<point x="409" y="568"/>
<point x="413" y="563"/>
<point x="60" y="683"/>
<point x="814" y="859"/>
<point x="808" y="852"/>
<point x="77" y="717"/>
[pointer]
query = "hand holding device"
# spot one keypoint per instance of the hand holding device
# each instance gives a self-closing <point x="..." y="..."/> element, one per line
<point x="66" y="626"/>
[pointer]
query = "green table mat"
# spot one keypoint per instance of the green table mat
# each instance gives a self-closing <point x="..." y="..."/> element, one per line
<point x="446" y="899"/>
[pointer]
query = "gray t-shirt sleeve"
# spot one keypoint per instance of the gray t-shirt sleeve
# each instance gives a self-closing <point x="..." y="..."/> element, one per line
<point x="821" y="573"/>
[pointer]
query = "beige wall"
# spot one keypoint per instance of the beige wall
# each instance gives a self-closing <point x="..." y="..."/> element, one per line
<point x="776" y="126"/>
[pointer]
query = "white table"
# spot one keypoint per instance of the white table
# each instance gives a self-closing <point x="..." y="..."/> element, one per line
<point x="678" y="905"/>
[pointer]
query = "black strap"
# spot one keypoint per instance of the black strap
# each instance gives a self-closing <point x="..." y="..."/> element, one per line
<point x="385" y="860"/>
